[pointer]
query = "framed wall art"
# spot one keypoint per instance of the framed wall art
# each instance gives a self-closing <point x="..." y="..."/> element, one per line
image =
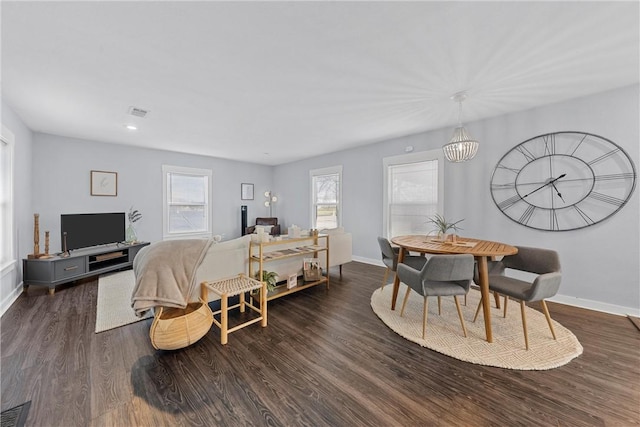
<point x="104" y="183"/>
<point x="246" y="191"/>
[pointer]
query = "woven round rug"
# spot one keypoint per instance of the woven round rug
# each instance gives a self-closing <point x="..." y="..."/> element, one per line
<point x="444" y="332"/>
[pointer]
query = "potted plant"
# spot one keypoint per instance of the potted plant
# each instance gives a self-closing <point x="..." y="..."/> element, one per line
<point x="442" y="226"/>
<point x="130" y="233"/>
<point x="271" y="278"/>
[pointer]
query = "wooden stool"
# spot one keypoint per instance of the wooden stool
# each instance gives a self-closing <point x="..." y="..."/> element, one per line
<point x="232" y="286"/>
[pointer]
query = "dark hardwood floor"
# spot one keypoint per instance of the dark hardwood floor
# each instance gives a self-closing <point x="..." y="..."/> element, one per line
<point x="324" y="360"/>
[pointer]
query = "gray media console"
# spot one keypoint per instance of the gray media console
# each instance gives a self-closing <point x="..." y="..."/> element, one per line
<point x="80" y="264"/>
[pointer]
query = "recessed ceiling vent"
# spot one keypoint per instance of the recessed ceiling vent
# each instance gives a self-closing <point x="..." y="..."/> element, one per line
<point x="138" y="112"/>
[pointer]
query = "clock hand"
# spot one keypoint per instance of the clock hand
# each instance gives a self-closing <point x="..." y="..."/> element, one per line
<point x="557" y="192"/>
<point x="549" y="182"/>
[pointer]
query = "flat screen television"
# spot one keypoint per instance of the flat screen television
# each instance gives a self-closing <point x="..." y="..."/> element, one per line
<point x="85" y="230"/>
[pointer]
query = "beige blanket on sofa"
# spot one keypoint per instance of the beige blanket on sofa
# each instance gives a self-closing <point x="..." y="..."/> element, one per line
<point x="165" y="273"/>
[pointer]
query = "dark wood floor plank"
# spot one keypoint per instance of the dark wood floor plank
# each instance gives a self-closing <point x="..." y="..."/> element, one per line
<point x="324" y="360"/>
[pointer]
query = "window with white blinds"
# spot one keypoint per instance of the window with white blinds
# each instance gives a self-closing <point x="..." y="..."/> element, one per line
<point x="187" y="196"/>
<point x="413" y="192"/>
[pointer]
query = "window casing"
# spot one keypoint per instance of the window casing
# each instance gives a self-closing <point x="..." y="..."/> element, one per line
<point x="186" y="201"/>
<point x="326" y="197"/>
<point x="7" y="229"/>
<point x="413" y="192"/>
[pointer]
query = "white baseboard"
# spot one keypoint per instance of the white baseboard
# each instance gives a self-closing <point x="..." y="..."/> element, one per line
<point x="10" y="299"/>
<point x="560" y="299"/>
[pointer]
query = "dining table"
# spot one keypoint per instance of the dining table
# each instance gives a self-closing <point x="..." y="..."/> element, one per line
<point x="482" y="250"/>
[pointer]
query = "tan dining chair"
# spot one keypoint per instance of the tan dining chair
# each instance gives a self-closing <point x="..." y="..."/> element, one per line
<point x="390" y="259"/>
<point x="544" y="264"/>
<point x="441" y="276"/>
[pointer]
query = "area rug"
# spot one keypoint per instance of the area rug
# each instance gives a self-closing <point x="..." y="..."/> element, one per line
<point x="16" y="416"/>
<point x="444" y="332"/>
<point x="114" y="301"/>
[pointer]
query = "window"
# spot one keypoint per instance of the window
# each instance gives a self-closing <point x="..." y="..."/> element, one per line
<point x="186" y="201"/>
<point x="7" y="233"/>
<point x="413" y="192"/>
<point x="326" y="197"/>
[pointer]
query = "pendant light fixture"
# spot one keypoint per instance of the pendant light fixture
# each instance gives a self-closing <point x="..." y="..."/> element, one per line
<point x="461" y="147"/>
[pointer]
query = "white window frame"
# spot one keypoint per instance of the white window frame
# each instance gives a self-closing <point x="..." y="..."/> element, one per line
<point x="166" y="233"/>
<point x="332" y="170"/>
<point x="8" y="260"/>
<point x="403" y="159"/>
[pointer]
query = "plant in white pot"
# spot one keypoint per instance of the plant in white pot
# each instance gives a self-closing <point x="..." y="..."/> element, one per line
<point x="443" y="227"/>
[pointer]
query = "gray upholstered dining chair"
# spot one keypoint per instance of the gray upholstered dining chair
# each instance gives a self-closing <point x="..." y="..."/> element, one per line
<point x="544" y="264"/>
<point x="441" y="276"/>
<point x="390" y="259"/>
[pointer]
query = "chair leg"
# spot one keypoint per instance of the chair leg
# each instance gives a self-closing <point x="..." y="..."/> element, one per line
<point x="404" y="301"/>
<point x="439" y="306"/>
<point x="425" y="309"/>
<point x="546" y="314"/>
<point x="340" y="270"/>
<point x="465" y="300"/>
<point x="477" y="311"/>
<point x="464" y="329"/>
<point x="524" y="324"/>
<point x="384" y="279"/>
<point x="496" y="296"/>
<point x="504" y="314"/>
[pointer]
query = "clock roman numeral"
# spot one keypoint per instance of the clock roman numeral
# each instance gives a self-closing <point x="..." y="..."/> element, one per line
<point x="528" y="155"/>
<point x="628" y="175"/>
<point x="505" y="204"/>
<point x="579" y="144"/>
<point x="507" y="186"/>
<point x="583" y="215"/>
<point x="549" y="144"/>
<point x="607" y="199"/>
<point x="514" y="170"/>
<point x="604" y="156"/>
<point x="553" y="220"/>
<point x="527" y="214"/>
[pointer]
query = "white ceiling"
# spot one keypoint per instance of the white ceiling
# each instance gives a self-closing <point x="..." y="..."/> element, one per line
<point x="274" y="82"/>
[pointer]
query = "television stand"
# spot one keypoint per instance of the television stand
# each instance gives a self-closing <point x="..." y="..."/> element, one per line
<point x="78" y="264"/>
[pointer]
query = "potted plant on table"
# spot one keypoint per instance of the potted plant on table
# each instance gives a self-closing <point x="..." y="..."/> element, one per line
<point x="271" y="278"/>
<point x="442" y="226"/>
<point x="131" y="236"/>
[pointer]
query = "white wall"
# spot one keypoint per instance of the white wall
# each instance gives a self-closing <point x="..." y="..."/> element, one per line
<point x="61" y="176"/>
<point x="11" y="280"/>
<point x="601" y="263"/>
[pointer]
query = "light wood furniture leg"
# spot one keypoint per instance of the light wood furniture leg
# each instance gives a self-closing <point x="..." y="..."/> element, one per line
<point x="477" y="311"/>
<point x="439" y="306"/>
<point x="384" y="279"/>
<point x="546" y="314"/>
<point x="263" y="304"/>
<point x="524" y="324"/>
<point x="504" y="314"/>
<point x="52" y="291"/>
<point x="224" y="319"/>
<point x="396" y="280"/>
<point x="404" y="301"/>
<point x="241" y="296"/>
<point x="484" y="289"/>
<point x="464" y="328"/>
<point x="425" y="309"/>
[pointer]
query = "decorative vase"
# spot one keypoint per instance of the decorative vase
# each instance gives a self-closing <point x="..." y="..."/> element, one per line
<point x="130" y="234"/>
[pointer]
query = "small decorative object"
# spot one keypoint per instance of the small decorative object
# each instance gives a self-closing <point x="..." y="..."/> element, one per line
<point x="292" y="282"/>
<point x="36" y="238"/>
<point x="311" y="269"/>
<point x="246" y="191"/>
<point x="134" y="215"/>
<point x="442" y="226"/>
<point x="270" y="278"/>
<point x="104" y="183"/>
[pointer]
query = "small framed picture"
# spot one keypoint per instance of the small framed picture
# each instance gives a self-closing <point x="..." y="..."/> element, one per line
<point x="246" y="191"/>
<point x="292" y="282"/>
<point x="104" y="183"/>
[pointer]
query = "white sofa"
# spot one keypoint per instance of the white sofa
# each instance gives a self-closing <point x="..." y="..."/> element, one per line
<point x="340" y="247"/>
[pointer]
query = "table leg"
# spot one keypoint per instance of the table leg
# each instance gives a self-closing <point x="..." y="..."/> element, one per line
<point x="396" y="281"/>
<point x="486" y="295"/>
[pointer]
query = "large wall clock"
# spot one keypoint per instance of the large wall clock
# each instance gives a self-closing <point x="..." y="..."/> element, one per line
<point x="563" y="181"/>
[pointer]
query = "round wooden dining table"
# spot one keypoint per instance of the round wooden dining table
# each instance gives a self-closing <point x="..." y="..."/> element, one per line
<point x="480" y="249"/>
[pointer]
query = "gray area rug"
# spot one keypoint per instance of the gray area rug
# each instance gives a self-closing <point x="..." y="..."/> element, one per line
<point x="114" y="301"/>
<point x="16" y="416"/>
<point x="444" y="332"/>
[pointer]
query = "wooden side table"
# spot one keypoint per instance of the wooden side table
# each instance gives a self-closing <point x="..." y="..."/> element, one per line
<point x="237" y="285"/>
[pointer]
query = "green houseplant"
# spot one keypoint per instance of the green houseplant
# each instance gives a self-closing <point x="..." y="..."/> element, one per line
<point x="442" y="226"/>
<point x="271" y="278"/>
<point x="130" y="233"/>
